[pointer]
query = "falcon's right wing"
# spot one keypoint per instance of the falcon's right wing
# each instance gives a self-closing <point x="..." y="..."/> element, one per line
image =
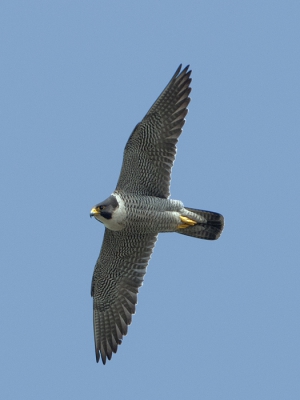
<point x="118" y="274"/>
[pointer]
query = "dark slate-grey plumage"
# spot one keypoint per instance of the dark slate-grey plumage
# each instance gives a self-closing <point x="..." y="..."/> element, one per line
<point x="138" y="210"/>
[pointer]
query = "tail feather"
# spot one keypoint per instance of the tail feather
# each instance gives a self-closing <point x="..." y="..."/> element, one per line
<point x="210" y="230"/>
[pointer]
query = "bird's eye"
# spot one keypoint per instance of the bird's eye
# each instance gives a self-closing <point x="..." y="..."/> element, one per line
<point x="101" y="207"/>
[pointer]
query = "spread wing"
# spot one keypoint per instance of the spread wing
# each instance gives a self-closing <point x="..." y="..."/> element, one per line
<point x="118" y="274"/>
<point x="150" y="151"/>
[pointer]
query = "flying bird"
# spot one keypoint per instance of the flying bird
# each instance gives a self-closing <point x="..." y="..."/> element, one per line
<point x="138" y="210"/>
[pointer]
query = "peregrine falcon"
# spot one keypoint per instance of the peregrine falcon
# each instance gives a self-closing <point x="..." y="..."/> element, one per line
<point x="138" y="210"/>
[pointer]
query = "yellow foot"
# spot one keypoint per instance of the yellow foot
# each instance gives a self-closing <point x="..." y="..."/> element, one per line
<point x="186" y="222"/>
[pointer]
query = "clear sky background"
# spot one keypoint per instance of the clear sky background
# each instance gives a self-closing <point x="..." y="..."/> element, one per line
<point x="215" y="320"/>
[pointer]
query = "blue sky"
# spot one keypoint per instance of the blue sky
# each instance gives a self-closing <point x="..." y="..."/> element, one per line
<point x="215" y="320"/>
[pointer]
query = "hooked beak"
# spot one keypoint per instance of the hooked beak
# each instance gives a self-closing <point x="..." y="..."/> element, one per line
<point x="94" y="212"/>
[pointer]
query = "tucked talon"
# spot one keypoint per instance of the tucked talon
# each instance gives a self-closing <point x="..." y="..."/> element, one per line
<point x="186" y="222"/>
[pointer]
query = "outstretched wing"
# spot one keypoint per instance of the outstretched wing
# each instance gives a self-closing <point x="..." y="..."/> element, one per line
<point x="118" y="274"/>
<point x="150" y="151"/>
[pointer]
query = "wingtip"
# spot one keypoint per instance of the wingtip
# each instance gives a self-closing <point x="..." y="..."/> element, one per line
<point x="103" y="357"/>
<point x="97" y="356"/>
<point x="182" y="72"/>
<point x="182" y="75"/>
<point x="100" y="355"/>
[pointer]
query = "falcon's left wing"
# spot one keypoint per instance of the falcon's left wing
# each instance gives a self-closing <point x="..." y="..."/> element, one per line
<point x="150" y="151"/>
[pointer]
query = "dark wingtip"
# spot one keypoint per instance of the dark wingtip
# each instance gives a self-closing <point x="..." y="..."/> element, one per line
<point x="186" y="68"/>
<point x="178" y="71"/>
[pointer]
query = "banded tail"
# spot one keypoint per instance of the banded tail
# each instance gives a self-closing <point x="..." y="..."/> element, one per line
<point x="211" y="229"/>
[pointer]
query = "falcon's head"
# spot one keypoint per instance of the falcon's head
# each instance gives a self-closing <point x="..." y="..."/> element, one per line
<point x="109" y="214"/>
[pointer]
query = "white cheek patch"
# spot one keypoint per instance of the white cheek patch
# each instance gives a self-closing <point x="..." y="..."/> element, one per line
<point x="117" y="222"/>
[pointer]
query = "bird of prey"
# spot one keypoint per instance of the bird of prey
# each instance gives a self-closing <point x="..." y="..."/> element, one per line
<point x="138" y="210"/>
